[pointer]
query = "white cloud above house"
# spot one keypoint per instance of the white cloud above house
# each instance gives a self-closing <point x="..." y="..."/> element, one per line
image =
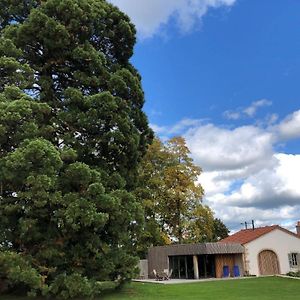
<point x="244" y="176"/>
<point x="216" y="148"/>
<point x="150" y="17"/>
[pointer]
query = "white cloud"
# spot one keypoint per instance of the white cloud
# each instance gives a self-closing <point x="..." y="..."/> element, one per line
<point x="183" y="125"/>
<point x="234" y="217"/>
<point x="269" y="120"/>
<point x="214" y="183"/>
<point x="159" y="129"/>
<point x="178" y="128"/>
<point x="290" y="127"/>
<point x="232" y="115"/>
<point x="216" y="148"/>
<point x="249" y="111"/>
<point x="150" y="16"/>
<point x="244" y="177"/>
<point x="268" y="188"/>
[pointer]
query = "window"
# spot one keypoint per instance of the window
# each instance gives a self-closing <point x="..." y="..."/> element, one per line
<point x="294" y="259"/>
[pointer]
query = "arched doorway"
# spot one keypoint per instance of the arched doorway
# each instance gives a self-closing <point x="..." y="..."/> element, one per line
<point x="268" y="263"/>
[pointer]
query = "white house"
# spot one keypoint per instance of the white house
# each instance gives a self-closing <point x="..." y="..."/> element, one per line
<point x="265" y="250"/>
<point x="269" y="250"/>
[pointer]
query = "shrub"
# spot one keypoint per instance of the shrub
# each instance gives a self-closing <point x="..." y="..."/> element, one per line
<point x="75" y="285"/>
<point x="293" y="274"/>
<point x="17" y="273"/>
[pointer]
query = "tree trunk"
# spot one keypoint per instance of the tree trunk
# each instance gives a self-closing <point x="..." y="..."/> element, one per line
<point x="178" y="207"/>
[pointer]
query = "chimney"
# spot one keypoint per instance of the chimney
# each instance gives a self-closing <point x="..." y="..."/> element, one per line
<point x="298" y="228"/>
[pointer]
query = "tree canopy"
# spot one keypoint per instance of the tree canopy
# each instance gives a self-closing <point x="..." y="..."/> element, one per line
<point x="72" y="132"/>
<point x="170" y="193"/>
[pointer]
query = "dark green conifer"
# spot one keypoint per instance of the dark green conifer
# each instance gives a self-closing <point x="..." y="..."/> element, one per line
<point x="72" y="132"/>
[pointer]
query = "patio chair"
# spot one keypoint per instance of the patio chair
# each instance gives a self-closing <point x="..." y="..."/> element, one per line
<point x="158" y="275"/>
<point x="155" y="274"/>
<point x="170" y="274"/>
<point x="166" y="274"/>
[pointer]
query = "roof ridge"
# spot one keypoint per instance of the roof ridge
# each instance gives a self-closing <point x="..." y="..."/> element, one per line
<point x="245" y="236"/>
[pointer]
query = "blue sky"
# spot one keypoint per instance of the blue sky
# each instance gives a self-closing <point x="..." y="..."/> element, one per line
<point x="225" y="74"/>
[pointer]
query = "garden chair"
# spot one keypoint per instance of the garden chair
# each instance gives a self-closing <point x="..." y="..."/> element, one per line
<point x="167" y="274"/>
<point x="157" y="275"/>
<point x="170" y="274"/>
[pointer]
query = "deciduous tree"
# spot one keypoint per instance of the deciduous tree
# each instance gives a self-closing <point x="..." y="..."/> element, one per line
<point x="171" y="196"/>
<point x="220" y="230"/>
<point x="183" y="193"/>
<point x="168" y="191"/>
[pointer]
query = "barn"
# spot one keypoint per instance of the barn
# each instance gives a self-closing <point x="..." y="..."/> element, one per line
<point x="269" y="250"/>
<point x="258" y="251"/>
<point x="194" y="261"/>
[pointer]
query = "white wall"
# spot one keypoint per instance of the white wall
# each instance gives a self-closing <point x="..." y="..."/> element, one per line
<point x="143" y="266"/>
<point x="278" y="241"/>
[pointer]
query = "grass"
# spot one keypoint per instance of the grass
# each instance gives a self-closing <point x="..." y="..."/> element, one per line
<point x="268" y="288"/>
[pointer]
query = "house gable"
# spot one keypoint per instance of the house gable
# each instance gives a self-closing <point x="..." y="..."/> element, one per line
<point x="279" y="241"/>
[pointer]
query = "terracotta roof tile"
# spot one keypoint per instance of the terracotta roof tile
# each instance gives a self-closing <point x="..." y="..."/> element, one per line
<point x="247" y="235"/>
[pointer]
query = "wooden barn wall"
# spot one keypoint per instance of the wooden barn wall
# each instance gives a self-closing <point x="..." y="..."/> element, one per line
<point x="239" y="261"/>
<point x="157" y="260"/>
<point x="229" y="260"/>
<point x="158" y="257"/>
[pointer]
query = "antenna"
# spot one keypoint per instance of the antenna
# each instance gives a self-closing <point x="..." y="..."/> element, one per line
<point x="246" y="224"/>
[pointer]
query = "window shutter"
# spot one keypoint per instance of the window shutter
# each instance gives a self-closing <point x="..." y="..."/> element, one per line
<point x="290" y="260"/>
<point x="298" y="260"/>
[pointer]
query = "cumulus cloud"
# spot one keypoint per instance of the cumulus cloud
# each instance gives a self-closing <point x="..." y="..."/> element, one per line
<point x="216" y="148"/>
<point x="289" y="128"/>
<point x="234" y="217"/>
<point x="270" y="187"/>
<point x="150" y="16"/>
<point x="244" y="177"/>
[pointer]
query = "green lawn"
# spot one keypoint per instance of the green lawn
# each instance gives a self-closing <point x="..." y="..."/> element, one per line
<point x="270" y="288"/>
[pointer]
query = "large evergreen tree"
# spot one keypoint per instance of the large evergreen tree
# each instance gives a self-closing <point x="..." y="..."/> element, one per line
<point x="72" y="132"/>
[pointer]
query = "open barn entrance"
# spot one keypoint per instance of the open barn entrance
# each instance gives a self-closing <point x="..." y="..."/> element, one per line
<point x="206" y="266"/>
<point x="182" y="266"/>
